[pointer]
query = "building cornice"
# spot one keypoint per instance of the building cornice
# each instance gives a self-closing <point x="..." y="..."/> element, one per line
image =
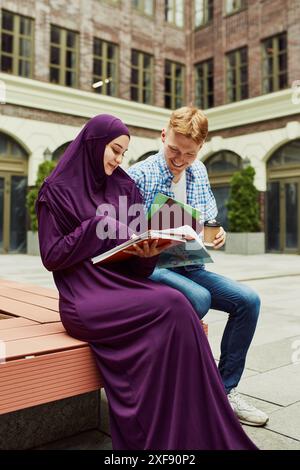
<point x="58" y="99"/>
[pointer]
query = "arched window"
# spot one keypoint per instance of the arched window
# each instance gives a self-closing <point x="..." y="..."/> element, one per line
<point x="223" y="162"/>
<point x="60" y="150"/>
<point x="220" y="168"/>
<point x="10" y="149"/>
<point x="285" y="156"/>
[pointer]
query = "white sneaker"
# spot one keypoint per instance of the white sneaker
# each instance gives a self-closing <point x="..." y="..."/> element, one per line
<point x="246" y="413"/>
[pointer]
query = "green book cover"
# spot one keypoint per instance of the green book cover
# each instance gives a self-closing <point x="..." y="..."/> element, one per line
<point x="159" y="214"/>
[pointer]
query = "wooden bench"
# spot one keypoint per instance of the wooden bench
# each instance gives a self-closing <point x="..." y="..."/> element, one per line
<point x="42" y="362"/>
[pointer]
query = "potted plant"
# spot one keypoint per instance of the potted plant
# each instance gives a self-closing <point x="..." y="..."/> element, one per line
<point x="44" y="170"/>
<point x="244" y="235"/>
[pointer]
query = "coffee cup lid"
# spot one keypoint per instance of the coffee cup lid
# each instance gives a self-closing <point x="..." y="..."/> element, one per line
<point x="212" y="224"/>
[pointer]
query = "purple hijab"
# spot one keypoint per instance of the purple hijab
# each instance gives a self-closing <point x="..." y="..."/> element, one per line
<point x="78" y="184"/>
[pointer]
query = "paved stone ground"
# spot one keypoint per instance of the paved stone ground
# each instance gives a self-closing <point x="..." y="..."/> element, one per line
<point x="271" y="380"/>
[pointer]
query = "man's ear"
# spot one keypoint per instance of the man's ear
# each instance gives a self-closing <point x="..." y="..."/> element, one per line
<point x="163" y="135"/>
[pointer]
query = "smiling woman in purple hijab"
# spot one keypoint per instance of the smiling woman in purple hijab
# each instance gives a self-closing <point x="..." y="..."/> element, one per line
<point x="163" y="388"/>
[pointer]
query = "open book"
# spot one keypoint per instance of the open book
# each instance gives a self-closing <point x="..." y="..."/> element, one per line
<point x="182" y="252"/>
<point x="119" y="253"/>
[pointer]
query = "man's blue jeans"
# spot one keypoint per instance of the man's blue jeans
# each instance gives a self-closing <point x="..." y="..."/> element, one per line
<point x="206" y="290"/>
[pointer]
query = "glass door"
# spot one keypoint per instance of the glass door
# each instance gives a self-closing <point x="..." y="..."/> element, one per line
<point x="283" y="216"/>
<point x="12" y="213"/>
<point x="290" y="200"/>
<point x="2" y="184"/>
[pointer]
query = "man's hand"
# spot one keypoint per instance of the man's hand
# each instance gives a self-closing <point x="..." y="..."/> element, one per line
<point x="220" y="239"/>
<point x="147" y="249"/>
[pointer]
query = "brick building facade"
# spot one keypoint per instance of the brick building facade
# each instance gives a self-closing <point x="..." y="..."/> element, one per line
<point x="237" y="59"/>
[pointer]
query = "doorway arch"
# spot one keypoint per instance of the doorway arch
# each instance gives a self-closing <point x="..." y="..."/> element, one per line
<point x="283" y="199"/>
<point x="13" y="188"/>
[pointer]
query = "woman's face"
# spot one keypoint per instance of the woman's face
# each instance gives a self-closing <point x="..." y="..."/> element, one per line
<point x="114" y="153"/>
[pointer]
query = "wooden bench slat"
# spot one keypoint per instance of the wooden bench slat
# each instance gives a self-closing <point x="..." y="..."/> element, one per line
<point x="9" y="376"/>
<point x="32" y="288"/>
<point x="31" y="331"/>
<point x="43" y="345"/>
<point x="12" y="322"/>
<point x="62" y="384"/>
<point x="29" y="298"/>
<point x="53" y="381"/>
<point x="31" y="312"/>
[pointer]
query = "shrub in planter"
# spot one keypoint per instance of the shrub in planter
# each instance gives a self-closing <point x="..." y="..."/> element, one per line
<point x="245" y="236"/>
<point x="44" y="170"/>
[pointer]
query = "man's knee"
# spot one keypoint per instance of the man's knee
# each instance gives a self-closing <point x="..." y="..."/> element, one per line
<point x="201" y="302"/>
<point x="252" y="302"/>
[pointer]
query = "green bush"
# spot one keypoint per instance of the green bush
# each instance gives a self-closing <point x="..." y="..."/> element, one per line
<point x="44" y="170"/>
<point x="243" y="206"/>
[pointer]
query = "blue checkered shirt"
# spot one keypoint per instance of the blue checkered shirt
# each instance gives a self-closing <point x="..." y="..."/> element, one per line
<point x="153" y="176"/>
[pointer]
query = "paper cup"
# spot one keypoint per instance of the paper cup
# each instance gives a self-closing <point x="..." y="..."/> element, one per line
<point x="210" y="232"/>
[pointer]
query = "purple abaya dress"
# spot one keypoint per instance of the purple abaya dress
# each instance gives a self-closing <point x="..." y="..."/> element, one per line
<point x="163" y="387"/>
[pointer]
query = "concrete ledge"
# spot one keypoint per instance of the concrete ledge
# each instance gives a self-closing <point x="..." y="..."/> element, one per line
<point x="42" y="424"/>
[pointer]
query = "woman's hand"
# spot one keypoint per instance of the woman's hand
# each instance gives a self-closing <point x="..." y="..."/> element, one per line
<point x="147" y="249"/>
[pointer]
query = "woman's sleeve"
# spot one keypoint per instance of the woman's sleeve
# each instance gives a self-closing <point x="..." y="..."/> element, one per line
<point x="60" y="251"/>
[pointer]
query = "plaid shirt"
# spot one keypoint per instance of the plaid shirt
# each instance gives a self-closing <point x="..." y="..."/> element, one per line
<point x="153" y="176"/>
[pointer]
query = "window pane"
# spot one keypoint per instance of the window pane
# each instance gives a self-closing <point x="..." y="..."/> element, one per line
<point x="210" y="83"/>
<point x="111" y="69"/>
<point x="54" y="55"/>
<point x="6" y="64"/>
<point x="70" y="59"/>
<point x="3" y="144"/>
<point x="282" y="42"/>
<point x="243" y="55"/>
<point x="7" y="43"/>
<point x="7" y="21"/>
<point x="178" y="71"/>
<point x="55" y="35"/>
<point x="134" y="76"/>
<point x="134" y="94"/>
<point x="147" y="96"/>
<point x="168" y="85"/>
<point x="282" y="62"/>
<point x="178" y="102"/>
<point x="168" y="102"/>
<point x="54" y="75"/>
<point x="97" y="47"/>
<point x="25" y="26"/>
<point x="70" y="78"/>
<point x="1" y="211"/>
<point x="18" y="214"/>
<point x="97" y="67"/>
<point x="24" y="68"/>
<point x="16" y="150"/>
<point x="147" y="61"/>
<point x="168" y="67"/>
<point x="273" y="203"/>
<point x="147" y="79"/>
<point x="244" y="91"/>
<point x="71" y="39"/>
<point x="268" y="66"/>
<point x="111" y="51"/>
<point x="282" y="81"/>
<point x="134" y="57"/>
<point x="244" y="74"/>
<point x="25" y="47"/>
